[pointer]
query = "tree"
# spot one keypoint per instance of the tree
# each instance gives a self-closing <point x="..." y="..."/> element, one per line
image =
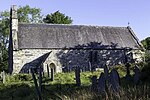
<point x="146" y="43"/>
<point x="29" y="15"/>
<point x="25" y="14"/>
<point x="57" y="18"/>
<point x="4" y="32"/>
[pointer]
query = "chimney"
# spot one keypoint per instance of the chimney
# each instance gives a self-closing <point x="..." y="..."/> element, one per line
<point x="14" y="27"/>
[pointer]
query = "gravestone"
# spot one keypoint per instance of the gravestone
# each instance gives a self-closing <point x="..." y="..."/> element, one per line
<point x="77" y="76"/>
<point x="3" y="77"/>
<point x="136" y="75"/>
<point x="114" y="80"/>
<point x="94" y="83"/>
<point x="128" y="75"/>
<point x="101" y="84"/>
<point x="106" y="71"/>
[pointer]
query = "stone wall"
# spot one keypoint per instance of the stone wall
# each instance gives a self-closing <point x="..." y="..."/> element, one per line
<point x="23" y="57"/>
<point x="68" y="58"/>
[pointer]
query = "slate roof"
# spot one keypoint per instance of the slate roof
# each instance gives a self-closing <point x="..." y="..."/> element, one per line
<point x="75" y="36"/>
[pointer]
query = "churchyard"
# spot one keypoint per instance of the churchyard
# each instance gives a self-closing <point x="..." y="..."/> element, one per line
<point x="116" y="82"/>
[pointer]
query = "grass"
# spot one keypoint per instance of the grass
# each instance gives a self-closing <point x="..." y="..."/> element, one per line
<point x="21" y="87"/>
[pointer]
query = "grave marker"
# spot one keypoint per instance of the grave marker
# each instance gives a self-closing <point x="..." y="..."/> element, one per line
<point x="101" y="83"/>
<point x="77" y="75"/>
<point x="94" y="83"/>
<point x="114" y="80"/>
<point x="106" y="71"/>
<point x="136" y="75"/>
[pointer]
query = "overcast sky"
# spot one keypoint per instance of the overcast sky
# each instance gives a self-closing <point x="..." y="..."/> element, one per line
<point x="96" y="12"/>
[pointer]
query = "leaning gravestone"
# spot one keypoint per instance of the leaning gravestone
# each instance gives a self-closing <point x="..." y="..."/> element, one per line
<point x="101" y="83"/>
<point x="136" y="75"/>
<point x="94" y="83"/>
<point x="114" y="82"/>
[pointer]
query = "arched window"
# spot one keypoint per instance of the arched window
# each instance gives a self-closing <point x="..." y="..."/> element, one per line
<point x="52" y="65"/>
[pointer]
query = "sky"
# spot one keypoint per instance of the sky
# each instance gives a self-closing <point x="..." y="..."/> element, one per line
<point x="96" y="12"/>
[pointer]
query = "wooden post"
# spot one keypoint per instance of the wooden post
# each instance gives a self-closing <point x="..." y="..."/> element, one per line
<point x="77" y="75"/>
<point x="52" y="74"/>
<point x="36" y="85"/>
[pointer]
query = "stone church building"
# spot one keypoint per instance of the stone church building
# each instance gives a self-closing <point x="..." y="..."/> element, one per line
<point x="63" y="47"/>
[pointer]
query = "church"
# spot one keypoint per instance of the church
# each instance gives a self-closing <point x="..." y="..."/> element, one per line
<point x="64" y="47"/>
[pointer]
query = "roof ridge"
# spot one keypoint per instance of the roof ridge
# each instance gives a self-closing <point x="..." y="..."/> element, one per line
<point x="73" y="25"/>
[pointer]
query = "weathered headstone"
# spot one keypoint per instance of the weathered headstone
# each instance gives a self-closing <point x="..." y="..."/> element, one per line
<point x="114" y="82"/>
<point x="128" y="75"/>
<point x="101" y="83"/>
<point x="3" y="77"/>
<point x="77" y="76"/>
<point x="136" y="75"/>
<point x="106" y="71"/>
<point x="94" y="83"/>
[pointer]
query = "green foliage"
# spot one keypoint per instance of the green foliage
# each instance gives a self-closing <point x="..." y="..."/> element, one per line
<point x="4" y="61"/>
<point x="25" y="14"/>
<point x="29" y="15"/>
<point x="57" y="18"/>
<point x="146" y="43"/>
<point x="4" y="31"/>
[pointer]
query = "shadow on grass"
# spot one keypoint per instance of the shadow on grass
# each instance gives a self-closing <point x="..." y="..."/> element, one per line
<point x="60" y="91"/>
<point x="19" y="91"/>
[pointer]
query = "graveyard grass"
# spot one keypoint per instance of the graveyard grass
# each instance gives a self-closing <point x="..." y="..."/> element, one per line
<point x="21" y="87"/>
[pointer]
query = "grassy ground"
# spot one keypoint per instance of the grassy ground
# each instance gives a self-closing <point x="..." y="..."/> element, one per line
<point x="21" y="87"/>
